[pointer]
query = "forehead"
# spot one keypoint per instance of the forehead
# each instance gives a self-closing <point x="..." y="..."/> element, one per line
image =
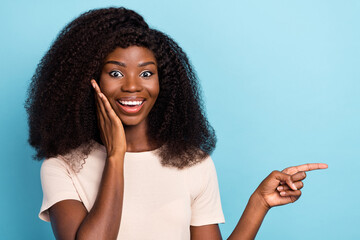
<point x="131" y="54"/>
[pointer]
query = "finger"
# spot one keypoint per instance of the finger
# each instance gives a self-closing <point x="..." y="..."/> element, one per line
<point x="104" y="104"/>
<point x="99" y="111"/>
<point x="98" y="95"/>
<point x="298" y="176"/>
<point x="294" y="178"/>
<point x="99" y="115"/>
<point x="299" y="185"/>
<point x="108" y="108"/>
<point x="96" y="89"/>
<point x="99" y="106"/>
<point x="305" y="167"/>
<point x="95" y="86"/>
<point x="290" y="193"/>
<point x="99" y="101"/>
<point x="102" y="112"/>
<point x="283" y="177"/>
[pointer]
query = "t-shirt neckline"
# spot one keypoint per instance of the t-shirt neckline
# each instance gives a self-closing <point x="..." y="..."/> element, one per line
<point x="103" y="149"/>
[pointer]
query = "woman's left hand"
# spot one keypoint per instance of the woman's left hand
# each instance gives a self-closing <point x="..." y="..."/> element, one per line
<point x="283" y="187"/>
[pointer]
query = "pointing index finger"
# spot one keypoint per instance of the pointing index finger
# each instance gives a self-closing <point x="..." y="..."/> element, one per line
<point x="311" y="166"/>
<point x="305" y="168"/>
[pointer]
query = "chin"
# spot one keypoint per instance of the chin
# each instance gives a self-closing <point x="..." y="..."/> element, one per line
<point x="131" y="121"/>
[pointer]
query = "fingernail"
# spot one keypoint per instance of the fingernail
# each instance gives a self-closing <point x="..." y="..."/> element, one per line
<point x="282" y="193"/>
<point x="279" y="188"/>
<point x="93" y="84"/>
<point x="294" y="187"/>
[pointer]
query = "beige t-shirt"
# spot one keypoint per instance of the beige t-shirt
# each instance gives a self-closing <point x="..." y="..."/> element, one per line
<point x="159" y="202"/>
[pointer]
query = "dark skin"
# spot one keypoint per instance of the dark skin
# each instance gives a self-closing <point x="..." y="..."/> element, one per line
<point x="129" y="76"/>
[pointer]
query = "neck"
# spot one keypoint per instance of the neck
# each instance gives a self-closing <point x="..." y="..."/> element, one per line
<point x="137" y="139"/>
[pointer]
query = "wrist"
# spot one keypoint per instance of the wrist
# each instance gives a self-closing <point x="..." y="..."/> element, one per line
<point x="251" y="218"/>
<point x="117" y="159"/>
<point x="257" y="201"/>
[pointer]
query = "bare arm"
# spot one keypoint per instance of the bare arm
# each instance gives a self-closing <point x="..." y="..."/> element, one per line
<point x="277" y="189"/>
<point x="246" y="228"/>
<point x="69" y="218"/>
<point x="206" y="232"/>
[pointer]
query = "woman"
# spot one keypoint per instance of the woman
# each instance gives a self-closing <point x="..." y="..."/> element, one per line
<point x="114" y="107"/>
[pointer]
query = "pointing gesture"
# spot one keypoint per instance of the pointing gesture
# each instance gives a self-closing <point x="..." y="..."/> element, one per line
<point x="283" y="187"/>
<point x="304" y="168"/>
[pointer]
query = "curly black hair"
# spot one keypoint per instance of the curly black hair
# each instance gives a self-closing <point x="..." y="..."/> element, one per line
<point x="61" y="107"/>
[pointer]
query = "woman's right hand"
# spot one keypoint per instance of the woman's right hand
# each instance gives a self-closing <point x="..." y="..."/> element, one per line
<point x="111" y="128"/>
<point x="281" y="188"/>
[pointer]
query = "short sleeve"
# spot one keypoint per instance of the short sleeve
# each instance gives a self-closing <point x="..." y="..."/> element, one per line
<point x="57" y="185"/>
<point x="206" y="204"/>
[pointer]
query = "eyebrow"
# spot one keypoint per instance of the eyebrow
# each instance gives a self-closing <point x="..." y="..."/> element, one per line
<point x="145" y="64"/>
<point x="116" y="63"/>
<point x="124" y="65"/>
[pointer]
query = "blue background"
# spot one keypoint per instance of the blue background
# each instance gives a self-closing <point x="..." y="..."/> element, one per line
<point x="281" y="84"/>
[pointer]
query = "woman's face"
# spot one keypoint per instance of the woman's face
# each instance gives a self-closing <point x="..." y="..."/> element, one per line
<point x="129" y="79"/>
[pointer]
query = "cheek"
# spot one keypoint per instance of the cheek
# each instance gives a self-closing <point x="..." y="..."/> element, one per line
<point x="155" y="89"/>
<point x="107" y="87"/>
<point x="102" y="83"/>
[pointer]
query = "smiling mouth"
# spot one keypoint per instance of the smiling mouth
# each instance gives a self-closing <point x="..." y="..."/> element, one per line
<point x="130" y="107"/>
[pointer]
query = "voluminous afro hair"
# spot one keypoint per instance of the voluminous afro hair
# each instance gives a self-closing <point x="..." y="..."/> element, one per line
<point x="61" y="107"/>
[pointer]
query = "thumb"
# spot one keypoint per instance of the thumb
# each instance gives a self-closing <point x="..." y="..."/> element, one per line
<point x="283" y="177"/>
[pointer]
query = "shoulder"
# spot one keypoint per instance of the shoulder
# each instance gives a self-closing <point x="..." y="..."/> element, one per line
<point x="75" y="160"/>
<point x="53" y="170"/>
<point x="57" y="184"/>
<point x="57" y="163"/>
<point x="205" y="195"/>
<point x="200" y="176"/>
<point x="204" y="166"/>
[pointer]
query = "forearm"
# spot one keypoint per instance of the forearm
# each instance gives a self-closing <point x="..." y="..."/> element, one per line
<point x="250" y="220"/>
<point x="103" y="221"/>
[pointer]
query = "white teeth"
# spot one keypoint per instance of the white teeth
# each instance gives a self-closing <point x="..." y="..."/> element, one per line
<point x="131" y="103"/>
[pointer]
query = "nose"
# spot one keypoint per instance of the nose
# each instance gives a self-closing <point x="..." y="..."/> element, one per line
<point x="131" y="84"/>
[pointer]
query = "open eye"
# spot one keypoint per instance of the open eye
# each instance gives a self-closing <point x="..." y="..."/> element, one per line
<point x="146" y="74"/>
<point x="116" y="74"/>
